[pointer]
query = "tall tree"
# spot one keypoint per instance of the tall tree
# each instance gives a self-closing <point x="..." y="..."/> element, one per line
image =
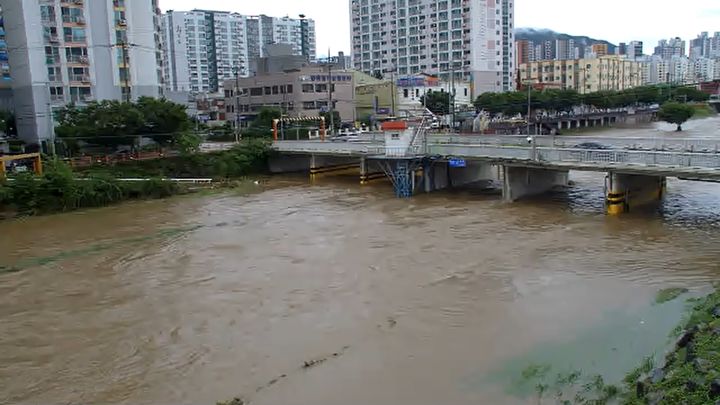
<point x="113" y="123"/>
<point x="336" y="119"/>
<point x="438" y="102"/>
<point x="676" y="113"/>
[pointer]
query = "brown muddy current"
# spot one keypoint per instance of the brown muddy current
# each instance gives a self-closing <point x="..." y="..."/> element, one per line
<point x="443" y="298"/>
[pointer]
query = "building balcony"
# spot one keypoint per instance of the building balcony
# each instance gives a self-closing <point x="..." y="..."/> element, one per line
<point x="77" y="3"/>
<point x="71" y="19"/>
<point x="81" y="98"/>
<point x="57" y="98"/>
<point x="74" y="41"/>
<point x="52" y="60"/>
<point x="78" y="59"/>
<point x="84" y="79"/>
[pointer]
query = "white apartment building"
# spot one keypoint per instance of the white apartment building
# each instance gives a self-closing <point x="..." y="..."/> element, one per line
<point x="635" y="50"/>
<point x="676" y="70"/>
<point x="205" y="48"/>
<point x="704" y="69"/>
<point x="473" y="38"/>
<point x="76" y="51"/>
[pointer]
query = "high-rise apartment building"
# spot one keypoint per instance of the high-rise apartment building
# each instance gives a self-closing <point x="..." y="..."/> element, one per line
<point x="622" y="49"/>
<point x="635" y="49"/>
<point x="666" y="49"/>
<point x="524" y="52"/>
<point x="76" y="51"/>
<point x="705" y="46"/>
<point x="473" y="38"/>
<point x="4" y="64"/>
<point x="204" y="48"/>
<point x="565" y="49"/>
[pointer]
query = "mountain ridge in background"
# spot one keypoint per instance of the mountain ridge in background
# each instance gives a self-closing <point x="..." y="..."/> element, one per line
<point x="539" y="35"/>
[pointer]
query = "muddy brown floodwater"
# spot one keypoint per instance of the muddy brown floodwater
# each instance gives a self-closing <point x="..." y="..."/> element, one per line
<point x="443" y="298"/>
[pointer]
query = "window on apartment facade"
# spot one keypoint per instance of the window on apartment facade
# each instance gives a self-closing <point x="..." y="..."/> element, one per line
<point x="308" y="88"/>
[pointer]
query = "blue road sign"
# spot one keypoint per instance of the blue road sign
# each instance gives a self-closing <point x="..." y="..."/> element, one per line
<point x="457" y="163"/>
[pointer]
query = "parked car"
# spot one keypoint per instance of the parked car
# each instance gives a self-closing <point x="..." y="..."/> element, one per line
<point x="345" y="138"/>
<point x="592" y="145"/>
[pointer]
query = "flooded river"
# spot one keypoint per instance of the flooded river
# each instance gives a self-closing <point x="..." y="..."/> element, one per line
<point x="443" y="298"/>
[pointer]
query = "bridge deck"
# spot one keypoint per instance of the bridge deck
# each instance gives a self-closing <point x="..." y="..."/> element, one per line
<point x="696" y="165"/>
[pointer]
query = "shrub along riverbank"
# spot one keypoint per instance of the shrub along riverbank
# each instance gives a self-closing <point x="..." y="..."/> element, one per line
<point x="61" y="189"/>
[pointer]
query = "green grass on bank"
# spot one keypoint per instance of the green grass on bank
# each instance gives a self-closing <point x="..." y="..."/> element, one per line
<point x="704" y="111"/>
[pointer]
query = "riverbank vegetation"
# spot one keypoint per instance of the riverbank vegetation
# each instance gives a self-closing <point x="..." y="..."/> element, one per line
<point x="676" y="113"/>
<point x="61" y="189"/>
<point x="690" y="374"/>
<point x="248" y="157"/>
<point x="514" y="103"/>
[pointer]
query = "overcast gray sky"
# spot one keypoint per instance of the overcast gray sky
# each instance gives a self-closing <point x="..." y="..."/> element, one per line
<point x="613" y="20"/>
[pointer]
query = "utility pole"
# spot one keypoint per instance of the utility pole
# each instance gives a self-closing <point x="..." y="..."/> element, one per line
<point x="528" y="84"/>
<point x="392" y="89"/>
<point x="237" y="104"/>
<point x="452" y="98"/>
<point x="330" y="96"/>
<point x="283" y="112"/>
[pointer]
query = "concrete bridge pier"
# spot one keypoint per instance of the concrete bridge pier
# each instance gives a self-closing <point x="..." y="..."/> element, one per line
<point x="475" y="173"/>
<point x="322" y="165"/>
<point x="439" y="175"/>
<point x="628" y="191"/>
<point x="436" y="176"/>
<point x="521" y="182"/>
<point x="370" y="171"/>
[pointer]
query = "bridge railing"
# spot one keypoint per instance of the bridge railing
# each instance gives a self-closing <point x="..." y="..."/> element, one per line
<point x="646" y="158"/>
<point x="620" y="143"/>
<point x="580" y="156"/>
<point x="336" y="148"/>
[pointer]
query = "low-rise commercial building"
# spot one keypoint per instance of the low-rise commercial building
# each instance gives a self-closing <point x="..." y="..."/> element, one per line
<point x="412" y="90"/>
<point x="584" y="75"/>
<point x="304" y="92"/>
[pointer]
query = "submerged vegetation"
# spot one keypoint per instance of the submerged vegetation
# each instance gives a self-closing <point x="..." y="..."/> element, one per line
<point x="690" y="374"/>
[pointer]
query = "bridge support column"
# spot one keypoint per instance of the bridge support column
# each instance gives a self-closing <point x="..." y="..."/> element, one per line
<point x="321" y="165"/>
<point x="475" y="173"/>
<point x="313" y="167"/>
<point x="628" y="191"/>
<point x="363" y="170"/>
<point x="520" y="182"/>
<point x="436" y="176"/>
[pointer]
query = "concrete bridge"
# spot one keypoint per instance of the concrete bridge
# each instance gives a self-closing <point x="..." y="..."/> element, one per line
<point x="561" y="122"/>
<point x="636" y="168"/>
